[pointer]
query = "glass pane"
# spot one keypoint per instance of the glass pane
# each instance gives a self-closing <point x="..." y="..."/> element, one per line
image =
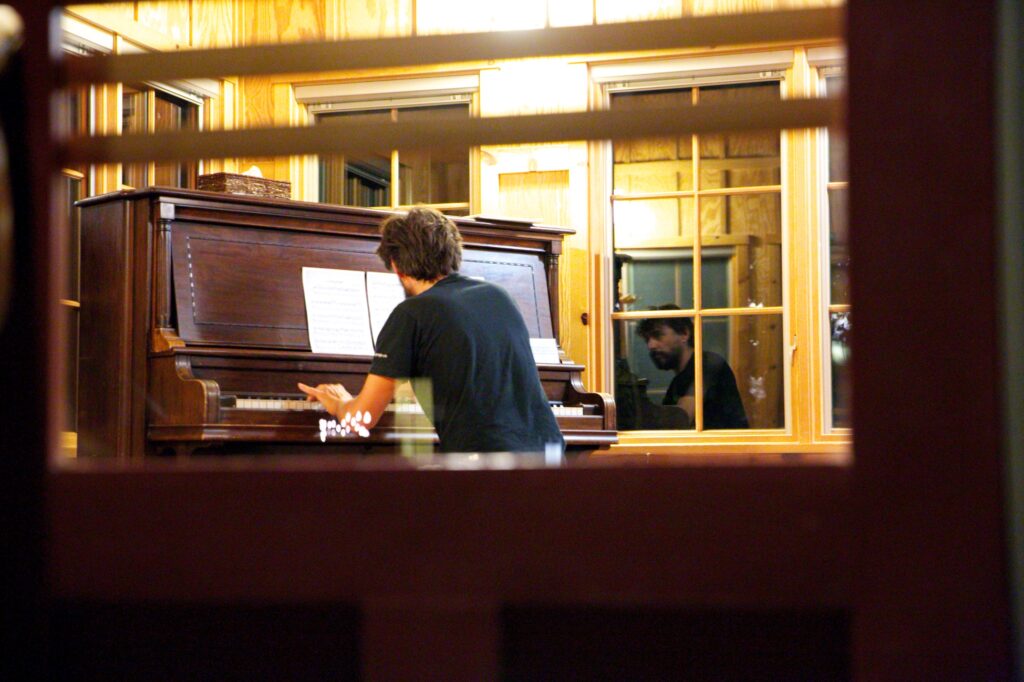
<point x="173" y="114"/>
<point x="834" y="86"/>
<point x="747" y="159"/>
<point x="433" y="176"/>
<point x="717" y="286"/>
<point x="654" y="149"/>
<point x="743" y="358"/>
<point x="840" y="327"/>
<point x="438" y="175"/>
<point x="362" y="181"/>
<point x="642" y="378"/>
<point x="72" y="193"/>
<point x="133" y="121"/>
<point x="839" y="253"/>
<point x="653" y="222"/>
<point x="755" y="276"/>
<point x="73" y="112"/>
<point x="641" y="177"/>
<point x="653" y="279"/>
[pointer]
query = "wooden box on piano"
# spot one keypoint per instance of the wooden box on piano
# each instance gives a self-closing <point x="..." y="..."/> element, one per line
<point x="193" y="308"/>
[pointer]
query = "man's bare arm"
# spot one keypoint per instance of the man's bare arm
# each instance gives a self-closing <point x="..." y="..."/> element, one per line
<point x="373" y="399"/>
<point x="688" y="405"/>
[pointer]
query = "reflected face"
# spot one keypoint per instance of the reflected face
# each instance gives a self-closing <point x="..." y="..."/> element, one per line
<point x="666" y="346"/>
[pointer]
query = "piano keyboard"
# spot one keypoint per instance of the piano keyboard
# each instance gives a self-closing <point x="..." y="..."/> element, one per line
<point x="561" y="410"/>
<point x="252" y="403"/>
<point x="275" y="404"/>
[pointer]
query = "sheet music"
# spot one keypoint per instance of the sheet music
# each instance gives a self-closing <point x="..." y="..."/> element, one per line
<point x="336" y="313"/>
<point x="383" y="293"/>
<point x="545" y="351"/>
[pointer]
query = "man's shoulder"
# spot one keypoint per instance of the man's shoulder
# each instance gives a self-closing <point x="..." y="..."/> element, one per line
<point x="713" y="361"/>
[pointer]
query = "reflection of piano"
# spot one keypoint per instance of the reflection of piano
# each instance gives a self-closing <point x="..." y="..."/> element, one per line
<point x="193" y="308"/>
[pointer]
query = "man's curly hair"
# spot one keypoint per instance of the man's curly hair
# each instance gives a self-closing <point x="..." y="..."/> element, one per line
<point x="423" y="244"/>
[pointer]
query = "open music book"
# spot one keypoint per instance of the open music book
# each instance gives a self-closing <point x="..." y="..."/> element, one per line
<point x="346" y="309"/>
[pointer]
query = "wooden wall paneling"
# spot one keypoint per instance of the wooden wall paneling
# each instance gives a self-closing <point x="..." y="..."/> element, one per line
<point x="120" y="18"/>
<point x="213" y="23"/>
<point x="570" y="12"/>
<point x="277" y="21"/>
<point x="170" y="17"/>
<point x="368" y="18"/>
<point x="544" y="196"/>
<point x="544" y="86"/>
<point x="256" y="110"/>
<point x="435" y="17"/>
<point x="611" y="11"/>
<point x="705" y="7"/>
<point x="219" y="114"/>
<point x="300" y="170"/>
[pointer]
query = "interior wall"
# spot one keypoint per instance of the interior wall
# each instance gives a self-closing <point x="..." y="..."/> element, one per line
<point x="509" y="87"/>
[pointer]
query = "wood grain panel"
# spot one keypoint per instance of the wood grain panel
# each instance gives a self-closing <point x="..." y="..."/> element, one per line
<point x="609" y="11"/>
<point x="169" y="17"/>
<point x="108" y="15"/>
<point x="458" y="16"/>
<point x="544" y="196"/>
<point x="213" y="23"/>
<point x="656" y="148"/>
<point x="708" y="7"/>
<point x="277" y="21"/>
<point x="369" y="18"/>
<point x="653" y="176"/>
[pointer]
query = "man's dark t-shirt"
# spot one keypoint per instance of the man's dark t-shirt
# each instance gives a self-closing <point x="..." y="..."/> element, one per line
<point x="468" y="337"/>
<point x="723" y="408"/>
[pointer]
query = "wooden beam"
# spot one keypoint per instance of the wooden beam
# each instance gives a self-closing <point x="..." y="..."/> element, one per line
<point x="362" y="138"/>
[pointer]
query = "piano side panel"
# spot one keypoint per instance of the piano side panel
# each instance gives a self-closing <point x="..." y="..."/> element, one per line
<point x="105" y="349"/>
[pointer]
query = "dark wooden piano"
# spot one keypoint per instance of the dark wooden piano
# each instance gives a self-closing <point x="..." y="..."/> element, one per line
<point x="193" y="324"/>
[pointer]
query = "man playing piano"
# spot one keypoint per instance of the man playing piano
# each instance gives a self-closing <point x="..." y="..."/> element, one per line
<point x="465" y="335"/>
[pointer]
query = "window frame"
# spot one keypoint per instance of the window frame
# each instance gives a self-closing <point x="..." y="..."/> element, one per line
<point x="175" y="92"/>
<point x="319" y="99"/>
<point x="825" y="62"/>
<point x="825" y="70"/>
<point x="804" y="430"/>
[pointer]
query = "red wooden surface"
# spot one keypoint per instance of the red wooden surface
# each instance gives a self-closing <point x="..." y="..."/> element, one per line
<point x="930" y="596"/>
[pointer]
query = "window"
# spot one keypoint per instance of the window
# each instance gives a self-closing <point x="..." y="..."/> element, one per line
<point x="393" y="178"/>
<point x="150" y="110"/>
<point x="398" y="177"/>
<point x="700" y="213"/>
<point x="834" y="220"/>
<point x="720" y="270"/>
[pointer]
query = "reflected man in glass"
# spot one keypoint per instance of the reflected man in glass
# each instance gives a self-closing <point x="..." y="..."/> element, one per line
<point x="670" y="344"/>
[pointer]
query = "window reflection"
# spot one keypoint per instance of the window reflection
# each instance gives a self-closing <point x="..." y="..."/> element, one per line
<point x="837" y="197"/>
<point x="432" y="176"/>
<point x="741" y="376"/>
<point x="840" y="326"/>
<point x="754" y="350"/>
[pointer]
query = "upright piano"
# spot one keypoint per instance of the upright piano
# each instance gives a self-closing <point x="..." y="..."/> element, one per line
<point x="193" y="329"/>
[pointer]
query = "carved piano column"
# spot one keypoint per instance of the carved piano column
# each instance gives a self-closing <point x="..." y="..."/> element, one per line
<point x="164" y="336"/>
<point x="551" y="265"/>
